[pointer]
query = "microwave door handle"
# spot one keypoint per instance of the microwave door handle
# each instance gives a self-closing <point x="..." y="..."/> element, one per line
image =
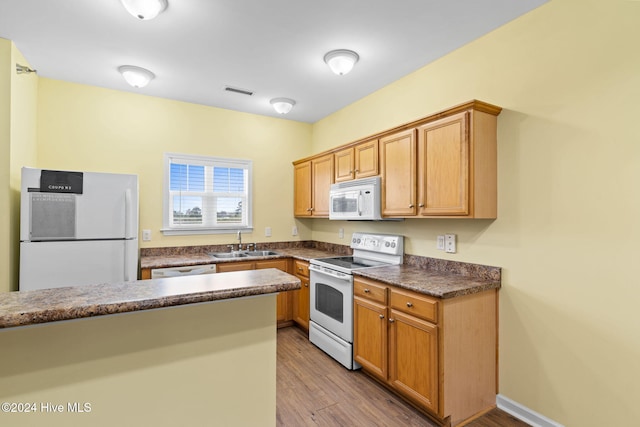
<point x="360" y="200"/>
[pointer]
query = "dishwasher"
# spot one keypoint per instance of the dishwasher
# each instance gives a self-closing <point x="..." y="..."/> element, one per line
<point x="191" y="270"/>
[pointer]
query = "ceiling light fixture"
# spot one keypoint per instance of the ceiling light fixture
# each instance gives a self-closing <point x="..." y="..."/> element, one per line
<point x="136" y="76"/>
<point x="282" y="105"/>
<point x="341" y="61"/>
<point x="144" y="9"/>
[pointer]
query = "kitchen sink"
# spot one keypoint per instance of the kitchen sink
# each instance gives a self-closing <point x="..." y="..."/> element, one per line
<point x="242" y="254"/>
<point x="261" y="253"/>
<point x="228" y="254"/>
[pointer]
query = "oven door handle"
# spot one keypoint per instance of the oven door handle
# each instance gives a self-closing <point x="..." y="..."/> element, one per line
<point x="336" y="274"/>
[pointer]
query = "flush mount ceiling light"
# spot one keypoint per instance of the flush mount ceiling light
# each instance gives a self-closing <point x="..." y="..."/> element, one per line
<point x="136" y="76"/>
<point x="341" y="61"/>
<point x="144" y="9"/>
<point x="282" y="105"/>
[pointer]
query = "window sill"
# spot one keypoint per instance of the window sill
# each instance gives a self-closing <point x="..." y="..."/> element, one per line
<point x="191" y="231"/>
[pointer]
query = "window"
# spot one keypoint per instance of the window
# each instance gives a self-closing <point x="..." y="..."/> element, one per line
<point x="205" y="195"/>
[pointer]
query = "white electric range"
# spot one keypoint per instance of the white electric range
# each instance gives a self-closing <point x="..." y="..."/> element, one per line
<point x="331" y="299"/>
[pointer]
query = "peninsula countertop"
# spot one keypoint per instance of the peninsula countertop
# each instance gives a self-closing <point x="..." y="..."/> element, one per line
<point x="50" y="305"/>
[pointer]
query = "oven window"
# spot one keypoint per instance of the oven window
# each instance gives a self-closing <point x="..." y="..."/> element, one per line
<point x="329" y="301"/>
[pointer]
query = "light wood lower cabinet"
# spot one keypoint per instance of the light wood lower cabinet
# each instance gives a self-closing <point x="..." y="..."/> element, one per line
<point x="300" y="298"/>
<point x="283" y="310"/>
<point x="439" y="354"/>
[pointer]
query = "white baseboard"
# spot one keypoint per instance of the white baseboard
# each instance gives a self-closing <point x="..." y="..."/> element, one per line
<point x="523" y="413"/>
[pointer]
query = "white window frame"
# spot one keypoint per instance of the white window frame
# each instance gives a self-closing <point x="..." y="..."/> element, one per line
<point x="209" y="163"/>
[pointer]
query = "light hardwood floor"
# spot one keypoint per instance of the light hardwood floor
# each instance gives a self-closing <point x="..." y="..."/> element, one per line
<point x="315" y="390"/>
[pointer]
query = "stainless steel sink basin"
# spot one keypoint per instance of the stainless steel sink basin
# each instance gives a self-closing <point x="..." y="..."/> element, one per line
<point x="228" y="254"/>
<point x="261" y="253"/>
<point x="242" y="254"/>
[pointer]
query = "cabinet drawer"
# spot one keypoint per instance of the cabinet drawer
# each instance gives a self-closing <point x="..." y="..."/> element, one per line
<point x="301" y="268"/>
<point x="370" y="290"/>
<point x="415" y="304"/>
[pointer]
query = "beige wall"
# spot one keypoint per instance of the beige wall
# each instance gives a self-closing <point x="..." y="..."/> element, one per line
<point x="568" y="77"/>
<point x="94" y="129"/>
<point x="195" y="365"/>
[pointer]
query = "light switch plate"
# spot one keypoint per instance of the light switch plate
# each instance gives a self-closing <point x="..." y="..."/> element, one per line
<point x="146" y="235"/>
<point x="450" y="243"/>
<point x="267" y="231"/>
<point x="341" y="233"/>
<point x="294" y="231"/>
<point x="440" y="243"/>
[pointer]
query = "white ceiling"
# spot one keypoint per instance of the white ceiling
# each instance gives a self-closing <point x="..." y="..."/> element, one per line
<point x="272" y="47"/>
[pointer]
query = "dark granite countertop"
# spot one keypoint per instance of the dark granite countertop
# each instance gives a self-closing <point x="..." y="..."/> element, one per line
<point x="430" y="276"/>
<point x="49" y="305"/>
<point x="439" y="284"/>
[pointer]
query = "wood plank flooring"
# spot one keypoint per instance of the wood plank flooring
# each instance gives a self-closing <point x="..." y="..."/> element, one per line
<point x="315" y="390"/>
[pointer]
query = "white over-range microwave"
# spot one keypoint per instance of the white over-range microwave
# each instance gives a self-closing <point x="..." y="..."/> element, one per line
<point x="358" y="199"/>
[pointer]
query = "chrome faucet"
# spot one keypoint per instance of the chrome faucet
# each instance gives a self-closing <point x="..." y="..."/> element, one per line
<point x="239" y="240"/>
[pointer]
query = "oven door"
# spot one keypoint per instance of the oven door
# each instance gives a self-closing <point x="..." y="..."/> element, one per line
<point x="331" y="301"/>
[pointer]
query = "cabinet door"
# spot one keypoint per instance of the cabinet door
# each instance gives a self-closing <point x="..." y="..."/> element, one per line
<point x="443" y="169"/>
<point x="322" y="178"/>
<point x="343" y="160"/>
<point x="302" y="189"/>
<point x="366" y="159"/>
<point x="370" y="336"/>
<point x="225" y="267"/>
<point x="301" y="304"/>
<point x="413" y="359"/>
<point x="398" y="170"/>
<point x="283" y="311"/>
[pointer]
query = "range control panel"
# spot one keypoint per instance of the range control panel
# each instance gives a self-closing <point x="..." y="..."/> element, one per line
<point x="380" y="243"/>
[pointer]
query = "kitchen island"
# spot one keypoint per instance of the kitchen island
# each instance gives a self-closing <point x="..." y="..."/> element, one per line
<point x="193" y="350"/>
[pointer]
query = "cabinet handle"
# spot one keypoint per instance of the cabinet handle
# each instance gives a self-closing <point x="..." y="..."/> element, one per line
<point x="382" y="316"/>
<point x="366" y="291"/>
<point x="391" y="320"/>
<point x="421" y="205"/>
<point x="409" y="305"/>
<point x="306" y="285"/>
<point x="357" y="170"/>
<point x="411" y="205"/>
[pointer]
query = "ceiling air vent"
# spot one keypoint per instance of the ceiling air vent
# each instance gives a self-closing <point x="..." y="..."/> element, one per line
<point x="238" y="90"/>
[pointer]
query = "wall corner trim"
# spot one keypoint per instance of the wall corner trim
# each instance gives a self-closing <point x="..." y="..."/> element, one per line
<point x="523" y="413"/>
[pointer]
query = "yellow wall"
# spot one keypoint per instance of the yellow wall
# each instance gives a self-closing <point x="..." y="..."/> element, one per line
<point x="195" y="365"/>
<point x="18" y="98"/>
<point x="5" y="164"/>
<point x="568" y="77"/>
<point x="94" y="129"/>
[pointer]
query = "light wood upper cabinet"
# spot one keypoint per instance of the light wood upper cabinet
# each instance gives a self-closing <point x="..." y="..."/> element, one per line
<point x="359" y="161"/>
<point x="312" y="181"/>
<point x="322" y="178"/>
<point x="302" y="189"/>
<point x="398" y="170"/>
<point x="457" y="166"/>
<point x="443" y="166"/>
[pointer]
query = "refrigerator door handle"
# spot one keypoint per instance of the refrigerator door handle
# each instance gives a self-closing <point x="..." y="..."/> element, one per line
<point x="127" y="214"/>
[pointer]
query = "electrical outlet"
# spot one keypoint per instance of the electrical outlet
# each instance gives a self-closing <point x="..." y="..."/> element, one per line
<point x="341" y="233"/>
<point x="267" y="231"/>
<point x="294" y="231"/>
<point x="440" y="244"/>
<point x="450" y="243"/>
<point x="146" y="235"/>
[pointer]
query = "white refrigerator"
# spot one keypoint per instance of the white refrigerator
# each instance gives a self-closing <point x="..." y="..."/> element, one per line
<point x="77" y="228"/>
